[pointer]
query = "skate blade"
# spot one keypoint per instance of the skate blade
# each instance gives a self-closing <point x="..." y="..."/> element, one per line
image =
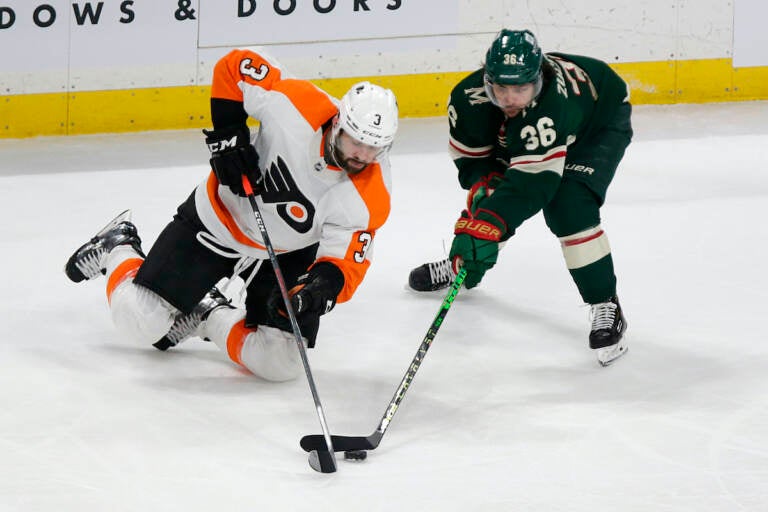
<point x="607" y="356"/>
<point x="125" y="216"/>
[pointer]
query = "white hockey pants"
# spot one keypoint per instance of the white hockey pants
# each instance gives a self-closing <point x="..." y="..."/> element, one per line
<point x="144" y="317"/>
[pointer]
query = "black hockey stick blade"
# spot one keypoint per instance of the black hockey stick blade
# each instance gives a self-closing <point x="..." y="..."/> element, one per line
<point x="359" y="443"/>
<point x="322" y="461"/>
<point x="316" y="442"/>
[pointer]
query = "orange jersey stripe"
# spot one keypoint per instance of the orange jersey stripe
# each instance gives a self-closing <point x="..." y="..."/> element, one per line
<point x="212" y="188"/>
<point x="370" y="185"/>
<point x="371" y="188"/>
<point x="125" y="270"/>
<point x="353" y="275"/>
<point x="246" y="66"/>
<point x="242" y="66"/>
<point x="313" y="104"/>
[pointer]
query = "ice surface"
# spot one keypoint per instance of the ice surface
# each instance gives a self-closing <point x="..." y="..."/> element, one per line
<point x="509" y="411"/>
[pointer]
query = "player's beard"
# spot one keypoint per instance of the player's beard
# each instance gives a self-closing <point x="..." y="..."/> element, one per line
<point x="350" y="165"/>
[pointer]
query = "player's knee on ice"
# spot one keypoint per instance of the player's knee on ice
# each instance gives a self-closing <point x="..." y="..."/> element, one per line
<point x="267" y="352"/>
<point x="140" y="314"/>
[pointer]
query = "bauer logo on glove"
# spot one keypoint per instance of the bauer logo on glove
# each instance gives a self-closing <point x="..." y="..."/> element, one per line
<point x="478" y="229"/>
<point x="476" y="244"/>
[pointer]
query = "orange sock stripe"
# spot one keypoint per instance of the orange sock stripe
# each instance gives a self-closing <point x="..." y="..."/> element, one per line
<point x="125" y="270"/>
<point x="236" y="340"/>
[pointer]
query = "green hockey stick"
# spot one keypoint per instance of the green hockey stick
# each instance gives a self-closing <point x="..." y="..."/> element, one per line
<point x="317" y="442"/>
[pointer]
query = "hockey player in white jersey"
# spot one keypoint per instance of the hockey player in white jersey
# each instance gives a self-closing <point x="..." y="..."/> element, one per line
<point x="321" y="173"/>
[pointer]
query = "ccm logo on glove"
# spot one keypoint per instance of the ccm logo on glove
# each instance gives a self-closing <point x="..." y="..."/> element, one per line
<point x="222" y="145"/>
<point x="232" y="157"/>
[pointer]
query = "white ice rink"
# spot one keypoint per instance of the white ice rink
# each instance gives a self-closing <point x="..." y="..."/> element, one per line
<point x="509" y="411"/>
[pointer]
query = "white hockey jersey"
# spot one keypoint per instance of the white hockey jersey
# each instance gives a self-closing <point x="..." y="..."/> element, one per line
<point x="304" y="200"/>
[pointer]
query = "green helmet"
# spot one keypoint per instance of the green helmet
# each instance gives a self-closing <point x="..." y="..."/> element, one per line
<point x="513" y="58"/>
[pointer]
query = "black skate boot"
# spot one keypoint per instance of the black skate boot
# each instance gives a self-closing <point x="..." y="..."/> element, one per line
<point x="432" y="276"/>
<point x="88" y="261"/>
<point x="608" y="326"/>
<point x="185" y="326"/>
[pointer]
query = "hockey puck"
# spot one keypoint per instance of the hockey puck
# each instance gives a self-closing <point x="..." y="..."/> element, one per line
<point x="355" y="455"/>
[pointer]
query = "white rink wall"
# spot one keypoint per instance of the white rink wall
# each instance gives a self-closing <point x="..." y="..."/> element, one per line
<point x="86" y="66"/>
<point x="64" y="45"/>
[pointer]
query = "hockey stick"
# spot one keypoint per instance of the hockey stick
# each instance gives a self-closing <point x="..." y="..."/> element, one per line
<point x="321" y="459"/>
<point x="359" y="443"/>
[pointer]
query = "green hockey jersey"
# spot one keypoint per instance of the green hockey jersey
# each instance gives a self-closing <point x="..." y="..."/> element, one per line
<point x="577" y="99"/>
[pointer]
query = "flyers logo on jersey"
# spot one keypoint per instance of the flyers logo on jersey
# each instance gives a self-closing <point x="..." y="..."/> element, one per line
<point x="292" y="206"/>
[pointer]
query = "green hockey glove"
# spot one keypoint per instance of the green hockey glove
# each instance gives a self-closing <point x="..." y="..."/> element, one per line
<point x="476" y="244"/>
<point x="482" y="189"/>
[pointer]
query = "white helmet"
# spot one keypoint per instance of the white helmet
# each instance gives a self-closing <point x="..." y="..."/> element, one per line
<point x="368" y="113"/>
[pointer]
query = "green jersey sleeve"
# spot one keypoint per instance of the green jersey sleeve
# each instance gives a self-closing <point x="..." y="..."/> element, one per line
<point x="474" y="124"/>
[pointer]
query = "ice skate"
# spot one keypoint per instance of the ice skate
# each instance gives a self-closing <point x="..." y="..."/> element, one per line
<point x="432" y="276"/>
<point x="185" y="326"/>
<point x="88" y="261"/>
<point x="607" y="335"/>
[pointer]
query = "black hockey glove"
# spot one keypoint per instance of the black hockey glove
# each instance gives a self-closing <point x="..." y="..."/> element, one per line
<point x="233" y="156"/>
<point x="314" y="295"/>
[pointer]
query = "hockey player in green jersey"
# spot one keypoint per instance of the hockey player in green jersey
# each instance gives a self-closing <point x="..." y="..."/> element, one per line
<point x="534" y="132"/>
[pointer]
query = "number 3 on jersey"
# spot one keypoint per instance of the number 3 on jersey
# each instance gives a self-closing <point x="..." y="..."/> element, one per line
<point x="256" y="74"/>
<point x="365" y="239"/>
